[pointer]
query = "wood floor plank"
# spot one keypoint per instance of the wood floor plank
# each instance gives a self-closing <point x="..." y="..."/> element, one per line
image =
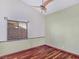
<point x="41" y="52"/>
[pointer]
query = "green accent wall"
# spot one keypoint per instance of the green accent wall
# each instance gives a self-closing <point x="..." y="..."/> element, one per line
<point x="62" y="29"/>
<point x="15" y="46"/>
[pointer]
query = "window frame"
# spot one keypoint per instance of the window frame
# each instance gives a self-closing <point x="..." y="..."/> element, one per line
<point x="18" y="23"/>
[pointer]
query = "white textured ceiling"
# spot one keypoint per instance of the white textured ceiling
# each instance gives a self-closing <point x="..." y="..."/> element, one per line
<point x="54" y="6"/>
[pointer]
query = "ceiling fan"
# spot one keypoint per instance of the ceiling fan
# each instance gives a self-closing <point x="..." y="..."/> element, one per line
<point x="44" y="5"/>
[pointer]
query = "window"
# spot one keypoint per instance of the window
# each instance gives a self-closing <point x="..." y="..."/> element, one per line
<point x="17" y="30"/>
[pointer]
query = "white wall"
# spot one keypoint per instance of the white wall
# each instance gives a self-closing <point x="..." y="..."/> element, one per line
<point x="63" y="29"/>
<point x="16" y="9"/>
<point x="3" y="30"/>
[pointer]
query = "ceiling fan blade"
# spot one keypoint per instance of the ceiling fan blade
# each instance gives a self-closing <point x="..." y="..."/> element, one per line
<point x="42" y="2"/>
<point x="36" y="6"/>
<point x="47" y="2"/>
<point x="43" y="5"/>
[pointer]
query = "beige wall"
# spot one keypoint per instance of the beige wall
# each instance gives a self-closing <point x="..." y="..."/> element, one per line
<point x="62" y="29"/>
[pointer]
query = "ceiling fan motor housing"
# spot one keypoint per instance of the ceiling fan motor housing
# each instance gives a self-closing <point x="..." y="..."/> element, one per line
<point x="43" y="7"/>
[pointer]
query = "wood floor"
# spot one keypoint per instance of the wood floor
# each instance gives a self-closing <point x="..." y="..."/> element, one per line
<point x="42" y="52"/>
